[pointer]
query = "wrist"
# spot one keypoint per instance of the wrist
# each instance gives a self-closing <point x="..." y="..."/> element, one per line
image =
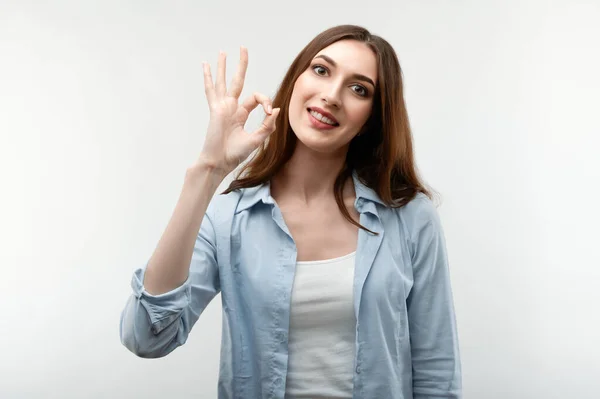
<point x="205" y="166"/>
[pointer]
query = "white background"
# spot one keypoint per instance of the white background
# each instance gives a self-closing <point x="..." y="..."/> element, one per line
<point x="102" y="109"/>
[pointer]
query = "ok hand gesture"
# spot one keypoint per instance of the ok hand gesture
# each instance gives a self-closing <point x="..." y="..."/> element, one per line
<point x="227" y="144"/>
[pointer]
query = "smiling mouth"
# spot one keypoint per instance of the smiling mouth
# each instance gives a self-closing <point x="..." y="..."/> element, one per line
<point x="322" y="118"/>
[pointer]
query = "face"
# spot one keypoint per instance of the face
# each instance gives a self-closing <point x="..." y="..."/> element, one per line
<point x="332" y="99"/>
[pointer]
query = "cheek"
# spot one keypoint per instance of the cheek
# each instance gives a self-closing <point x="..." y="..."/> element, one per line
<point x="359" y="113"/>
<point x="306" y="87"/>
<point x="297" y="95"/>
<point x="296" y="105"/>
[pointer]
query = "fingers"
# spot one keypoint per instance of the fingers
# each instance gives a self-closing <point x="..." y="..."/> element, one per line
<point x="266" y="128"/>
<point x="257" y="98"/>
<point x="237" y="84"/>
<point x="209" y="87"/>
<point x="221" y="86"/>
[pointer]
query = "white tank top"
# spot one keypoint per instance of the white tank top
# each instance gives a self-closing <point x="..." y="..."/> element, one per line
<point x="322" y="330"/>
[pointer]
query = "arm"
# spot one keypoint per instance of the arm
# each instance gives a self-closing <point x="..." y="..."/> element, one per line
<point x="432" y="323"/>
<point x="181" y="278"/>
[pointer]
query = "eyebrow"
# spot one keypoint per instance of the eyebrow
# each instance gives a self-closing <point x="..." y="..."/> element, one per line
<point x="355" y="75"/>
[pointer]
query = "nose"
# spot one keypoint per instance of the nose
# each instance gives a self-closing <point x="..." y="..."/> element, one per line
<point x="331" y="102"/>
<point x="331" y="98"/>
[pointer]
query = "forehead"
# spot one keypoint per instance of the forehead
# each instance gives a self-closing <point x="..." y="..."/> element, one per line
<point x="352" y="56"/>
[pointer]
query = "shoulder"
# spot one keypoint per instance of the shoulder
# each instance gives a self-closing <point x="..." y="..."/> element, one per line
<point x="418" y="215"/>
<point x="222" y="206"/>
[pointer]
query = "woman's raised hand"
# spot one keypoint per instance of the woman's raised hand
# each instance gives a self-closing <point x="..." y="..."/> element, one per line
<point x="227" y="144"/>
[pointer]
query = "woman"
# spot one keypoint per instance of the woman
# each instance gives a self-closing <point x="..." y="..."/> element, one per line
<point x="327" y="250"/>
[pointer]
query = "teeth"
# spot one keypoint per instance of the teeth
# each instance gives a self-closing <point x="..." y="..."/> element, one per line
<point x="322" y="118"/>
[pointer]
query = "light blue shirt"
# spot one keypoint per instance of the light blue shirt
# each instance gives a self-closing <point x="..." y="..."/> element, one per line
<point x="406" y="335"/>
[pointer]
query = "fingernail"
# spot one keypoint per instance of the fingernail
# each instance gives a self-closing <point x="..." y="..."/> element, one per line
<point x="270" y="109"/>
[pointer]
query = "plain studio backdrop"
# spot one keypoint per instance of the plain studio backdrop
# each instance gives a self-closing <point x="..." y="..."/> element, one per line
<point x="102" y="109"/>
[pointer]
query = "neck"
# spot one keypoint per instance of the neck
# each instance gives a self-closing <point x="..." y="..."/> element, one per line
<point x="309" y="176"/>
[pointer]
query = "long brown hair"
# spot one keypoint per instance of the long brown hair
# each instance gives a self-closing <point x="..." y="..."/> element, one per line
<point x="382" y="155"/>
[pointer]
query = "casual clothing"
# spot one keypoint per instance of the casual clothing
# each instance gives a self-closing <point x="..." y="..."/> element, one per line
<point x="322" y="330"/>
<point x="405" y="333"/>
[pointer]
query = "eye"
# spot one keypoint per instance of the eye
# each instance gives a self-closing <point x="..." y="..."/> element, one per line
<point x="319" y="70"/>
<point x="362" y="91"/>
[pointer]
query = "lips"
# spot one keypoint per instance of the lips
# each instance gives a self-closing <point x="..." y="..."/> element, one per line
<point x="324" y="113"/>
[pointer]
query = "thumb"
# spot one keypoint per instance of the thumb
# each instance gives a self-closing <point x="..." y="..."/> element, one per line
<point x="267" y="127"/>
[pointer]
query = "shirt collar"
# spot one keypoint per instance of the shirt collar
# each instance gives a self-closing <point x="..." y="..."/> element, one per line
<point x="252" y="195"/>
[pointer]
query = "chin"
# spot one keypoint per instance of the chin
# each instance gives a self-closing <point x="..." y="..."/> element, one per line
<point x="314" y="141"/>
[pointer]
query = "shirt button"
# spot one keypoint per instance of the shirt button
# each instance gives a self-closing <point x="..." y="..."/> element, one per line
<point x="357" y="369"/>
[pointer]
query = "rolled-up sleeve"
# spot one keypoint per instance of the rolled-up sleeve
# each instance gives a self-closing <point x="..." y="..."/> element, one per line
<point x="435" y="351"/>
<point x="154" y="325"/>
